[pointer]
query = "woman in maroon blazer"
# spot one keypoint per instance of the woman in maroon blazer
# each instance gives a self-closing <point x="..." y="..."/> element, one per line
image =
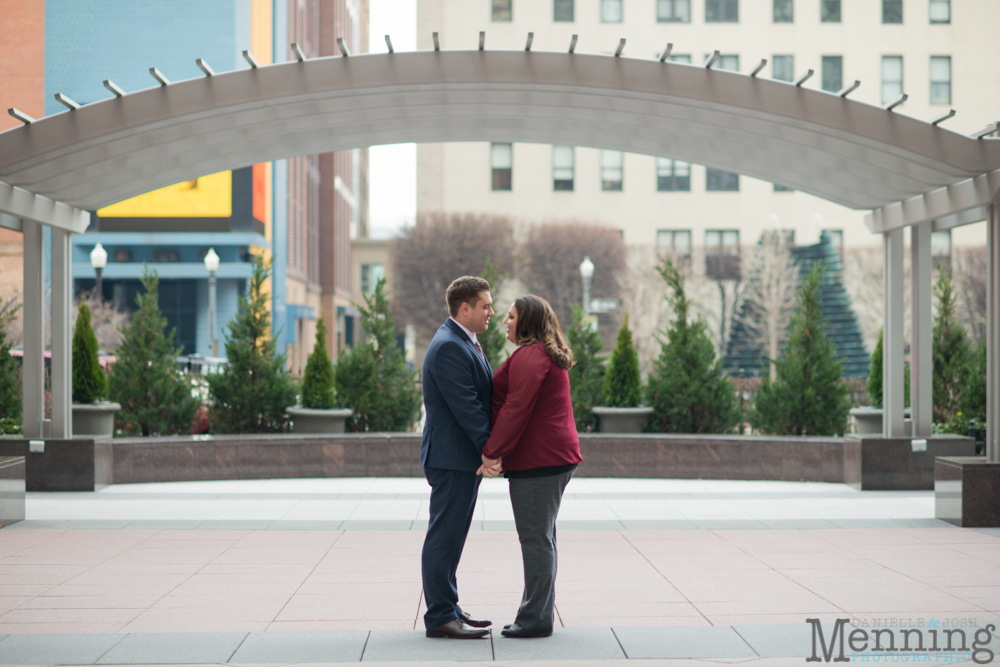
<point x="534" y="439"/>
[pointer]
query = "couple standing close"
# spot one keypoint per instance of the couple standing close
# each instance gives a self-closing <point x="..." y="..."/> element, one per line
<point x="519" y="422"/>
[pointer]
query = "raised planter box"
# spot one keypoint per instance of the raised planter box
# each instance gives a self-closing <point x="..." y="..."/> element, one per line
<point x="310" y="420"/>
<point x="874" y="463"/>
<point x="622" y="420"/>
<point x="869" y="421"/>
<point x="11" y="490"/>
<point x="76" y="464"/>
<point x="967" y="491"/>
<point x="95" y="420"/>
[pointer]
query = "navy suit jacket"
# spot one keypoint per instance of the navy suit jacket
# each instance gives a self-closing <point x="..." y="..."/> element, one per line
<point x="458" y="397"/>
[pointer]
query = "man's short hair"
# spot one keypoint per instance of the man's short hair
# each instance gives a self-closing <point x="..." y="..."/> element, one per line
<point x="464" y="290"/>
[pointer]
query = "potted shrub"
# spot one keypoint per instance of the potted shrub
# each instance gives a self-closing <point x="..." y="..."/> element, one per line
<point x="622" y="412"/>
<point x="868" y="418"/>
<point x="317" y="413"/>
<point x="91" y="414"/>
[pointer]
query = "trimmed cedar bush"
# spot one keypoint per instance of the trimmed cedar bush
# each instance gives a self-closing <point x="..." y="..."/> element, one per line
<point x="251" y="392"/>
<point x="622" y="387"/>
<point x="808" y="396"/>
<point x="89" y="382"/>
<point x="372" y="378"/>
<point x="972" y="404"/>
<point x="317" y="381"/>
<point x="688" y="387"/>
<point x="494" y="339"/>
<point x="10" y="390"/>
<point x="873" y="387"/>
<point x="951" y="350"/>
<point x="586" y="377"/>
<point x="146" y="379"/>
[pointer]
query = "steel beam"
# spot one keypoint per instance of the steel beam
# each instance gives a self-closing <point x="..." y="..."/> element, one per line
<point x="993" y="337"/>
<point x="892" y="335"/>
<point x="20" y="203"/>
<point x="921" y="353"/>
<point x="33" y="377"/>
<point x="62" y="356"/>
<point x="962" y="196"/>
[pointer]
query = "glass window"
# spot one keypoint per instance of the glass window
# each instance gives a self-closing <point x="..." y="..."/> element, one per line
<point x="501" y="161"/>
<point x="782" y="236"/>
<point x="611" y="170"/>
<point x="836" y="237"/>
<point x="370" y="275"/>
<point x="679" y="58"/>
<point x="784" y="11"/>
<point x="892" y="78"/>
<point x="940" y="79"/>
<point x="829" y="11"/>
<point x="717" y="180"/>
<point x="562" y="10"/>
<point x="611" y="11"/>
<point x="672" y="175"/>
<point x="892" y="11"/>
<point x="722" y="11"/>
<point x="941" y="248"/>
<point x="562" y="168"/>
<point x="940" y="11"/>
<point x="722" y="254"/>
<point x="783" y="68"/>
<point x="502" y="10"/>
<point x="730" y="62"/>
<point x="675" y="244"/>
<point x="673" y="11"/>
<point x="782" y="188"/>
<point x="833" y="73"/>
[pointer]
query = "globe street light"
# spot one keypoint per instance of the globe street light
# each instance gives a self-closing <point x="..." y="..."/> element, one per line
<point x="587" y="273"/>
<point x="98" y="260"/>
<point x="212" y="264"/>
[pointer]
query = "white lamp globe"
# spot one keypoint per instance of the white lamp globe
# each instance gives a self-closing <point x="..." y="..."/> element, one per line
<point x="98" y="257"/>
<point x="586" y="268"/>
<point x="211" y="261"/>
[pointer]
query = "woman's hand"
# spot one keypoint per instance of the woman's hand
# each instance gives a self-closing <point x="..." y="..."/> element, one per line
<point x="490" y="468"/>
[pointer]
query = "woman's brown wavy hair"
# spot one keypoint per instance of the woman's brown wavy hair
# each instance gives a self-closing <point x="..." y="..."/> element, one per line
<point x="537" y="323"/>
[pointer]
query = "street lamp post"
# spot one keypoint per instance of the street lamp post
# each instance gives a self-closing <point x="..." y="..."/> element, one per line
<point x="587" y="273"/>
<point x="212" y="264"/>
<point x="98" y="260"/>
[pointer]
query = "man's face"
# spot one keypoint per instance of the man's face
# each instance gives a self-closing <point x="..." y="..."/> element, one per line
<point x="477" y="316"/>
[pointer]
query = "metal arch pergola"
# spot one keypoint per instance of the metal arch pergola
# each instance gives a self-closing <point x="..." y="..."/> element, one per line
<point x="908" y="172"/>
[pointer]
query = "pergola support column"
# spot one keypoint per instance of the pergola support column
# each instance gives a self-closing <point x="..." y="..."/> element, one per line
<point x="993" y="336"/>
<point x="62" y="357"/>
<point x="33" y="367"/>
<point x="892" y="335"/>
<point x="921" y="352"/>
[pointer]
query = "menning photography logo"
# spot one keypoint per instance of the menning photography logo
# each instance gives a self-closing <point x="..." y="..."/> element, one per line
<point x="896" y="640"/>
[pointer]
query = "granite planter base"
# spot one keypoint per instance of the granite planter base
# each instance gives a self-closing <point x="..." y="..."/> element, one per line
<point x="869" y="421"/>
<point x="76" y="464"/>
<point x="622" y="420"/>
<point x="967" y="491"/>
<point x="11" y="490"/>
<point x="95" y="420"/>
<point x="310" y="420"/>
<point x="874" y="463"/>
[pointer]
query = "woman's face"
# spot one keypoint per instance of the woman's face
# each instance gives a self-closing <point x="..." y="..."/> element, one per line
<point x="511" y="321"/>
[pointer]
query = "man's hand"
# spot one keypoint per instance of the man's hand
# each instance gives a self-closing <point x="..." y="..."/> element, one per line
<point x="490" y="467"/>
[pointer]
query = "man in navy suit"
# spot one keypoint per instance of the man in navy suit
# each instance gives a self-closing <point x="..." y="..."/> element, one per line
<point x="458" y="395"/>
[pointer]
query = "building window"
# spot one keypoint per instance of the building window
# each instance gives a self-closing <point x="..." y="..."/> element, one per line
<point x="722" y="11"/>
<point x="163" y="255"/>
<point x="784" y="11"/>
<point x="675" y="244"/>
<point x="562" y="168"/>
<point x="611" y="170"/>
<point x="562" y="11"/>
<point x="940" y="79"/>
<point x="892" y="78"/>
<point x="829" y="11"/>
<point x="941" y="248"/>
<point x="122" y="255"/>
<point x="722" y="254"/>
<point x="940" y="11"/>
<point x="717" y="180"/>
<point x="892" y="11"/>
<point x="370" y="275"/>
<point x="679" y="58"/>
<point x="502" y="161"/>
<point x="782" y="188"/>
<point x="833" y="73"/>
<point x="672" y="175"/>
<point x="673" y="11"/>
<point x="503" y="10"/>
<point x="782" y="236"/>
<point x="611" y="11"/>
<point x="728" y="62"/>
<point x="783" y="68"/>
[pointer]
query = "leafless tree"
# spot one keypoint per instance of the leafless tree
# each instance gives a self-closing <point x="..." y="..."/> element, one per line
<point x="549" y="265"/>
<point x="643" y="298"/>
<point x="437" y="249"/>
<point x="971" y="270"/>
<point x="107" y="318"/>
<point x="772" y="279"/>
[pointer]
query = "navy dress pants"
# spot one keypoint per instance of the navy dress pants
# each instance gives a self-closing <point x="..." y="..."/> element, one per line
<point x="453" y="501"/>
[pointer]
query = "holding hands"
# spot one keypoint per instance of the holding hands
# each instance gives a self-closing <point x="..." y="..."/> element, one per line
<point x="490" y="468"/>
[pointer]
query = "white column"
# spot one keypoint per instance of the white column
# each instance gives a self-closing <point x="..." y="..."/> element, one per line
<point x="62" y="359"/>
<point x="34" y="304"/>
<point x="921" y="353"/>
<point x="993" y="336"/>
<point x="892" y="335"/>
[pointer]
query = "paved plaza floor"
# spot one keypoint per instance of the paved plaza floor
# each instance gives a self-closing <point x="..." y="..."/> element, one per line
<point x="328" y="570"/>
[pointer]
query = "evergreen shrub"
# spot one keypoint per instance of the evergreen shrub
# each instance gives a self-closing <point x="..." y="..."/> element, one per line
<point x="10" y="386"/>
<point x="90" y="385"/>
<point x="494" y="339"/>
<point x="586" y="377"/>
<point x="622" y="388"/>
<point x="951" y="350"/>
<point x="873" y="386"/>
<point x="317" y="382"/>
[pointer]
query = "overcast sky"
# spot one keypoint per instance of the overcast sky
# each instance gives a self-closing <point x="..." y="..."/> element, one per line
<point x="392" y="191"/>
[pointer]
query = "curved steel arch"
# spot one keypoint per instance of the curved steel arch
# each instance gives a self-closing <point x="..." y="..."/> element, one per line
<point x="848" y="152"/>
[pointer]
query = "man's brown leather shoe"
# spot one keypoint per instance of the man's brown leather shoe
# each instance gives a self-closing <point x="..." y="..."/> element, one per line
<point x="476" y="623"/>
<point x="456" y="629"/>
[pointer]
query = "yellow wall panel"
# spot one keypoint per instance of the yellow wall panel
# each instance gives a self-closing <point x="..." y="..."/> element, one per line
<point x="206" y="197"/>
